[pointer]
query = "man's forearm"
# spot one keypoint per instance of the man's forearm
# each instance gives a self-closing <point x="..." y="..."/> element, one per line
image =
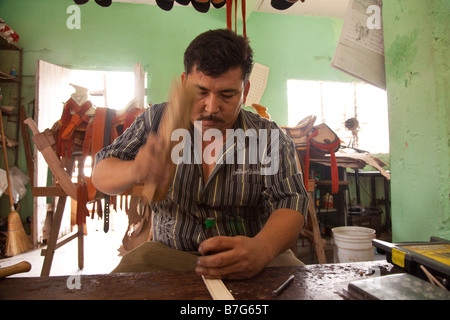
<point x="280" y="231"/>
<point x="113" y="176"/>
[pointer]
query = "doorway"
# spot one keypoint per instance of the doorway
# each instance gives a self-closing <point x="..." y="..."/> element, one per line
<point x="111" y="89"/>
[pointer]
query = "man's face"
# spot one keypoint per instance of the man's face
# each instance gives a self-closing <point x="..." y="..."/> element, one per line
<point x="217" y="100"/>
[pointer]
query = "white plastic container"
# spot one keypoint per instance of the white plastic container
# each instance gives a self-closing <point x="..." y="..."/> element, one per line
<point x="353" y="244"/>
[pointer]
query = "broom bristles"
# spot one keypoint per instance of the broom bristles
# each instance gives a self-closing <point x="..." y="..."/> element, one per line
<point x="17" y="240"/>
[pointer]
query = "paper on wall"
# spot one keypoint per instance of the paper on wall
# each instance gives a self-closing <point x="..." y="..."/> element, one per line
<point x="360" y="51"/>
<point x="258" y="82"/>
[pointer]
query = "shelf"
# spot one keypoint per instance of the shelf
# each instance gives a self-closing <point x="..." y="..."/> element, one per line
<point x="5" y="45"/>
<point x="13" y="80"/>
<point x="12" y="91"/>
<point x="329" y="182"/>
<point x="327" y="210"/>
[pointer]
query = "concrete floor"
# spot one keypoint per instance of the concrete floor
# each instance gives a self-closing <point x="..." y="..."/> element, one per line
<point x="101" y="253"/>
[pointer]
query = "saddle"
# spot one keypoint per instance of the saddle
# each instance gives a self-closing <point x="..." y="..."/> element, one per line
<point x="316" y="141"/>
<point x="85" y="129"/>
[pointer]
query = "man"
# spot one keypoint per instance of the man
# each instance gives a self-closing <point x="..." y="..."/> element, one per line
<point x="258" y="205"/>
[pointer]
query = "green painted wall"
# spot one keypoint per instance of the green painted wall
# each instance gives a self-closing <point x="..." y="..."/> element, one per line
<point x="115" y="38"/>
<point x="416" y="41"/>
<point x="118" y="36"/>
<point x="295" y="48"/>
<point x="417" y="69"/>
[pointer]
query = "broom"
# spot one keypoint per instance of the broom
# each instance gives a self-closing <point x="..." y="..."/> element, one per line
<point x="17" y="240"/>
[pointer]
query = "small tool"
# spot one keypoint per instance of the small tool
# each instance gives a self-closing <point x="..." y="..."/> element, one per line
<point x="283" y="286"/>
<point x="210" y="223"/>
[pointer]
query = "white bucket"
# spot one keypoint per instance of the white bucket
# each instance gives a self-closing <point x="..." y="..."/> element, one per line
<point x="352" y="244"/>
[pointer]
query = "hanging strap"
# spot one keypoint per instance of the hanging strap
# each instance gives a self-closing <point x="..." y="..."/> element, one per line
<point x="82" y="199"/>
<point x="244" y="29"/>
<point x="333" y="164"/>
<point x="106" y="141"/>
<point x="314" y="133"/>
<point x="229" y="4"/>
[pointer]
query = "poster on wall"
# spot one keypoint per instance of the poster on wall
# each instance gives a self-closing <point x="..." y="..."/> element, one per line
<point x="360" y="51"/>
<point x="258" y="80"/>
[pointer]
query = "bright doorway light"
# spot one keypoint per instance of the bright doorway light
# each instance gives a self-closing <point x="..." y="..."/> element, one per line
<point x="111" y="89"/>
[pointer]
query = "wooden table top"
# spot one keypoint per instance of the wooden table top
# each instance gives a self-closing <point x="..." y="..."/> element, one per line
<point x="311" y="282"/>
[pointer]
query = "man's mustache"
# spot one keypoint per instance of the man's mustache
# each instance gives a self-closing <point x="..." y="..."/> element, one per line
<point x="209" y="117"/>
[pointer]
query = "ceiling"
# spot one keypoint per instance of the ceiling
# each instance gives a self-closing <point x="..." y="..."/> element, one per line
<point x="321" y="8"/>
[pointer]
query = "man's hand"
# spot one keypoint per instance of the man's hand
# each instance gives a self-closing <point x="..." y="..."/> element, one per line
<point x="148" y="164"/>
<point x="242" y="257"/>
<point x="231" y="258"/>
<point x="114" y="176"/>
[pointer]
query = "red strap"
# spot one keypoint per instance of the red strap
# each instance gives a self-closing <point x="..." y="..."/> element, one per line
<point x="98" y="130"/>
<point x="91" y="190"/>
<point x="333" y="164"/>
<point x="75" y="122"/>
<point x="314" y="133"/>
<point x="87" y="143"/>
<point x="229" y="4"/>
<point x="99" y="208"/>
<point x="328" y="147"/>
<point x="64" y="121"/>
<point x="82" y="211"/>
<point x="244" y="29"/>
<point x="68" y="125"/>
<point x="235" y="15"/>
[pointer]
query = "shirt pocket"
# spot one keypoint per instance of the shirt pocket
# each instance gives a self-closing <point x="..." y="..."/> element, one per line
<point x="245" y="192"/>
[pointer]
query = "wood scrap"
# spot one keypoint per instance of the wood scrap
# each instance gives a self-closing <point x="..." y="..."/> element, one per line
<point x="217" y="289"/>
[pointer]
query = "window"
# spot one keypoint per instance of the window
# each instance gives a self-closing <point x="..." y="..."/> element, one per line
<point x="334" y="103"/>
<point x="112" y="89"/>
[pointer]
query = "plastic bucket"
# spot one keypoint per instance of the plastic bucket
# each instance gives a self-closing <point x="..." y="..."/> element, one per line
<point x="353" y="244"/>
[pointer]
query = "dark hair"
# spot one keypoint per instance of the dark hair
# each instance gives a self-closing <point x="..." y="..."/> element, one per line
<point x="216" y="51"/>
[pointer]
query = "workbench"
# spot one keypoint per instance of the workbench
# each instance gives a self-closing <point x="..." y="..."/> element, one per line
<point x="311" y="282"/>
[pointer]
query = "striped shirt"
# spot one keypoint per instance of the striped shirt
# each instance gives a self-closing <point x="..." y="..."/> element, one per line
<point x="240" y="193"/>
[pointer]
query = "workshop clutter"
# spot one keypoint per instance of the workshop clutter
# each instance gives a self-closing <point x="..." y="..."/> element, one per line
<point x="6" y="32"/>
<point x="365" y="216"/>
<point x="17" y="240"/>
<point x="19" y="180"/>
